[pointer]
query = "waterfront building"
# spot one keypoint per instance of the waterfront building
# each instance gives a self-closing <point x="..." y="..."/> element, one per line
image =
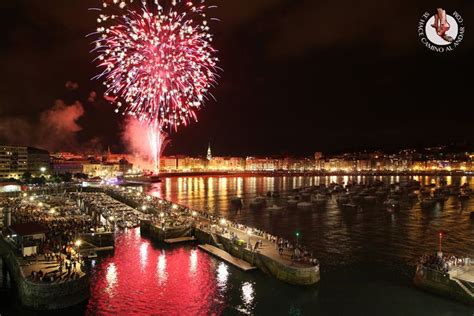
<point x="189" y="164"/>
<point x="104" y="169"/>
<point x="13" y="161"/>
<point x="39" y="161"/>
<point x="27" y="237"/>
<point x="169" y="164"/>
<point x="226" y="164"/>
<point x="262" y="164"/>
<point x="72" y="166"/>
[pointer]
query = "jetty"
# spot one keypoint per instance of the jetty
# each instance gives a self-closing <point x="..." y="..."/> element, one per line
<point x="454" y="280"/>
<point x="179" y="240"/>
<point x="270" y="254"/>
<point x="219" y="253"/>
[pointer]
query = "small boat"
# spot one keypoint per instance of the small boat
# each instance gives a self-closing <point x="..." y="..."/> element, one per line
<point x="427" y="203"/>
<point x="440" y="198"/>
<point x="412" y="195"/>
<point x="319" y="201"/>
<point x="304" y="205"/>
<point x="236" y="202"/>
<point x="274" y="207"/>
<point x="391" y="203"/>
<point x="350" y="206"/>
<point x="305" y="196"/>
<point x="257" y="204"/>
<point x="292" y="203"/>
<point x="370" y="199"/>
<point x="342" y="199"/>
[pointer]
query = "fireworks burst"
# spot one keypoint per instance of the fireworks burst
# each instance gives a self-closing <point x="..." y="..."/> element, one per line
<point x="156" y="58"/>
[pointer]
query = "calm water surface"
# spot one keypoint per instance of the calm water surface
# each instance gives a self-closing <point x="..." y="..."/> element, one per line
<point x="367" y="258"/>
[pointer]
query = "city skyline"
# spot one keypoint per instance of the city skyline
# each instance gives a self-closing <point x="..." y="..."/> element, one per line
<point x="281" y="92"/>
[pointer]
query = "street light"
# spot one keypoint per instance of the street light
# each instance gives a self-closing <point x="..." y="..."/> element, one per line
<point x="297" y="238"/>
<point x="249" y="233"/>
<point x="78" y="243"/>
<point x="43" y="169"/>
<point x="440" y="236"/>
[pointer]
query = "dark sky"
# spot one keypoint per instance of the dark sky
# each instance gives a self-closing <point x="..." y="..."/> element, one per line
<point x="299" y="76"/>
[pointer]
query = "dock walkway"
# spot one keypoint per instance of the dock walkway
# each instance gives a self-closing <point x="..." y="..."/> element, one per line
<point x="267" y="248"/>
<point x="179" y="240"/>
<point x="241" y="264"/>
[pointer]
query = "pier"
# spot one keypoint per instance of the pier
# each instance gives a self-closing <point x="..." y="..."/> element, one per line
<point x="179" y="240"/>
<point x="219" y="253"/>
<point x="452" y="280"/>
<point x="259" y="249"/>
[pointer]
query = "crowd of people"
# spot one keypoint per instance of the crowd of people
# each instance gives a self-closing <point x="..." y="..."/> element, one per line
<point x="63" y="265"/>
<point x="443" y="263"/>
<point x="58" y="214"/>
<point x="178" y="215"/>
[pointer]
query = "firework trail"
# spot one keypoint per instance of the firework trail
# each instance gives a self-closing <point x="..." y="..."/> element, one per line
<point x="157" y="62"/>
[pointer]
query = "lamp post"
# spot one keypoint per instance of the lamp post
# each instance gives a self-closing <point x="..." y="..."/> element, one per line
<point x="249" y="233"/>
<point x="78" y="244"/>
<point x="297" y="239"/>
<point x="440" y="243"/>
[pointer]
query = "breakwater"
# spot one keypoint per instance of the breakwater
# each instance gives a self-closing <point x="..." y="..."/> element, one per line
<point x="267" y="253"/>
<point x="42" y="295"/>
<point x="444" y="284"/>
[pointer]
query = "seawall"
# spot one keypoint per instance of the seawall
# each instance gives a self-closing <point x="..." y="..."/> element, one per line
<point x="44" y="296"/>
<point x="289" y="274"/>
<point x="441" y="284"/>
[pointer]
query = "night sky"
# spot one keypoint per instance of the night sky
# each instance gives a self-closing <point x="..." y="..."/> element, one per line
<point x="299" y="76"/>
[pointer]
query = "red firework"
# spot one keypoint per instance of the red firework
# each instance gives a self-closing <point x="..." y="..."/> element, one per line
<point x="157" y="61"/>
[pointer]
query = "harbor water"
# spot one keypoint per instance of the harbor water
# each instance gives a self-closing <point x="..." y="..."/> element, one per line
<point x="367" y="257"/>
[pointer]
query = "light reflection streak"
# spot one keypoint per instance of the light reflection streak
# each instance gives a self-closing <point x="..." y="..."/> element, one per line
<point x="143" y="255"/>
<point x="248" y="294"/>
<point x="162" y="275"/>
<point x="193" y="261"/>
<point x="222" y="275"/>
<point x="111" y="278"/>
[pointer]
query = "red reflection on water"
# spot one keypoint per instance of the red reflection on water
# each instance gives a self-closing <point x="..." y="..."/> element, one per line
<point x="140" y="279"/>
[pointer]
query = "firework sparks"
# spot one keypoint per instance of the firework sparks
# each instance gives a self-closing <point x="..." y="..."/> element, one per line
<point x="157" y="61"/>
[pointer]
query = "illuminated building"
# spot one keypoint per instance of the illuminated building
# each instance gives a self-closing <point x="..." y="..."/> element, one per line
<point x="13" y="161"/>
<point x="39" y="161"/>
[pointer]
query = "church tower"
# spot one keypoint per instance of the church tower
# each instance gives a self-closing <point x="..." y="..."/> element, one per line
<point x="209" y="154"/>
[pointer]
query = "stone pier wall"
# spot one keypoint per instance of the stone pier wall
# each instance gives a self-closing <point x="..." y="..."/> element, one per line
<point x="44" y="296"/>
<point x="441" y="284"/>
<point x="156" y="233"/>
<point x="292" y="275"/>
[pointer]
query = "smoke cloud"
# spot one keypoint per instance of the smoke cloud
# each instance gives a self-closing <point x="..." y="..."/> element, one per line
<point x="58" y="126"/>
<point x="56" y="129"/>
<point x="145" y="148"/>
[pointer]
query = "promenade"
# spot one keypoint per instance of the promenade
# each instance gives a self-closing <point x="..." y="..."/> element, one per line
<point x="169" y="215"/>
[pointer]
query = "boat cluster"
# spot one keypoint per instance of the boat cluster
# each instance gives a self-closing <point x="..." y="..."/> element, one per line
<point x="109" y="210"/>
<point x="355" y="196"/>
